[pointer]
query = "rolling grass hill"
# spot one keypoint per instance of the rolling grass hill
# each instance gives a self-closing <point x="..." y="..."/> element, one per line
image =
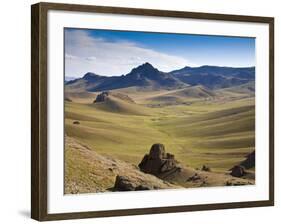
<point x="218" y="133"/>
<point x="205" y="116"/>
<point x="116" y="105"/>
<point x="180" y="96"/>
<point x="89" y="172"/>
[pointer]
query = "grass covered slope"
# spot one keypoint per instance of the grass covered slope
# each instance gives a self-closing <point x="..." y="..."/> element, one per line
<point x="88" y="172"/>
<point x="115" y="104"/>
<point x="216" y="131"/>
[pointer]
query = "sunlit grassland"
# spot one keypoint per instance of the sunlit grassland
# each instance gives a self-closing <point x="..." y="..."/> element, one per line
<point x="218" y="133"/>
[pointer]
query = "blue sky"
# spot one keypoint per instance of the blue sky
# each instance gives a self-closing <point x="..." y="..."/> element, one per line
<point x="109" y="53"/>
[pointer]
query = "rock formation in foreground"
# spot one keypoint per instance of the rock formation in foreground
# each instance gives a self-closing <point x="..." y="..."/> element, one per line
<point x="86" y="171"/>
<point x="158" y="162"/>
<point x="137" y="183"/>
<point x="250" y="160"/>
<point x="164" y="166"/>
<point x="237" y="171"/>
<point x="240" y="169"/>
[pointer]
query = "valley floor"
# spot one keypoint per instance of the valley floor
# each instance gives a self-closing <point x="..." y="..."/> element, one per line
<point x="217" y="131"/>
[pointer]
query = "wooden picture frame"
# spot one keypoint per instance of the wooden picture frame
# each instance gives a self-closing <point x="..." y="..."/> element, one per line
<point x="39" y="108"/>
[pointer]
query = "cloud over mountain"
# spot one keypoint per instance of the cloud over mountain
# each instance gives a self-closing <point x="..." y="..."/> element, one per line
<point x="84" y="53"/>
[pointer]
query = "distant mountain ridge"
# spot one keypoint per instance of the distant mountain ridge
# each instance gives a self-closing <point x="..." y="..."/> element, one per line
<point x="146" y="75"/>
<point x="215" y="76"/>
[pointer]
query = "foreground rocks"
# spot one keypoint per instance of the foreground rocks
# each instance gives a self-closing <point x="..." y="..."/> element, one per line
<point x="249" y="162"/>
<point x="87" y="171"/>
<point x="240" y="169"/>
<point x="164" y="166"/>
<point x="237" y="171"/>
<point x="129" y="183"/>
<point x="158" y="162"/>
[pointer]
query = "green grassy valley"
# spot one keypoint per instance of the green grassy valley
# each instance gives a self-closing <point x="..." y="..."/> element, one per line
<point x="199" y="126"/>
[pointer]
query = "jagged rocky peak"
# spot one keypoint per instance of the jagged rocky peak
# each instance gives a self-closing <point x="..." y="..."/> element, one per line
<point x="158" y="161"/>
<point x="90" y="74"/>
<point x="146" y="67"/>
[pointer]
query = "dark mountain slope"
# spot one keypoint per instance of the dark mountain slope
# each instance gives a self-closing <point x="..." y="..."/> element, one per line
<point x="214" y="76"/>
<point x="143" y="76"/>
<point x="146" y="75"/>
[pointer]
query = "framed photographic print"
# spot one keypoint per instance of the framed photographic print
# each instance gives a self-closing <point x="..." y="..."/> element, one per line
<point x="139" y="111"/>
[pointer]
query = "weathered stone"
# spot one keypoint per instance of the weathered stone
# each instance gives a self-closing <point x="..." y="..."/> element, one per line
<point x="143" y="187"/>
<point x="168" y="165"/>
<point x="101" y="97"/>
<point x="158" y="162"/>
<point x="123" y="183"/>
<point x="157" y="151"/>
<point x="237" y="171"/>
<point x="249" y="162"/>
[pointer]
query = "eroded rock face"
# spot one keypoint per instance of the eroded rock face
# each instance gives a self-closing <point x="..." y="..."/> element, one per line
<point x="101" y="97"/>
<point x="158" y="162"/>
<point x="106" y="95"/>
<point x="123" y="183"/>
<point x="129" y="183"/>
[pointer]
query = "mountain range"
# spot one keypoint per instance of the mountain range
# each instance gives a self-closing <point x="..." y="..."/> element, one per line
<point x="145" y="75"/>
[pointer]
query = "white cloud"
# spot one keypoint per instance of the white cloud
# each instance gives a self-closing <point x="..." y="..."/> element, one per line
<point x="88" y="54"/>
<point x="70" y="57"/>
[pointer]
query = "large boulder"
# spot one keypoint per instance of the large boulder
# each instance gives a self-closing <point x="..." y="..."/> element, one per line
<point x="123" y="183"/>
<point x="139" y="183"/>
<point x="158" y="162"/>
<point x="157" y="151"/>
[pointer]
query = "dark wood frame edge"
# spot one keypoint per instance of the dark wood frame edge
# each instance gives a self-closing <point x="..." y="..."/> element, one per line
<point x="39" y="110"/>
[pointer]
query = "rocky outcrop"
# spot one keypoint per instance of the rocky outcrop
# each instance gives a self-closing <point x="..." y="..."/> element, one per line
<point x="249" y="162"/>
<point x="164" y="166"/>
<point x="240" y="169"/>
<point x="86" y="171"/>
<point x="101" y="97"/>
<point x="158" y="162"/>
<point x="131" y="183"/>
<point x="106" y="95"/>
